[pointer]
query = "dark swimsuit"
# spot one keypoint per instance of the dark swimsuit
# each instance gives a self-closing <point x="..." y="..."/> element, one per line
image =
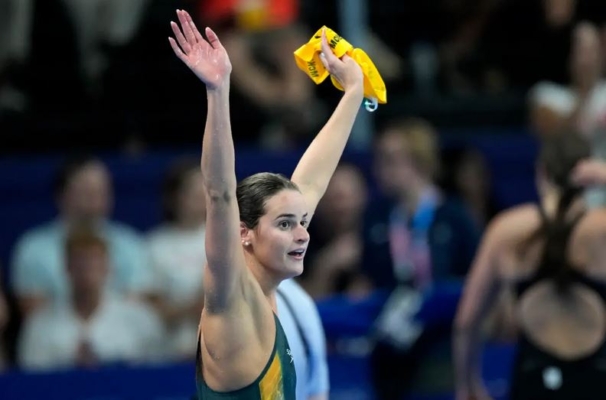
<point x="539" y="375"/>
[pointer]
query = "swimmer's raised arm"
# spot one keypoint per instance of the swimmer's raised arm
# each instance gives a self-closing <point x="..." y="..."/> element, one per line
<point x="210" y="62"/>
<point x="316" y="167"/>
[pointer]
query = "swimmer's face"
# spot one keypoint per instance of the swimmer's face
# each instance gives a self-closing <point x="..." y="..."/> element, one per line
<point x="279" y="233"/>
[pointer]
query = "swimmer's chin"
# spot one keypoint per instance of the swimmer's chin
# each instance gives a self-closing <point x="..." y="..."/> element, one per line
<point x="293" y="270"/>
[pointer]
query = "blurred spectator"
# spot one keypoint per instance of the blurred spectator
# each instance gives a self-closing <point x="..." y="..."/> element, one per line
<point x="459" y="49"/>
<point x="299" y="317"/>
<point x="583" y="103"/>
<point x="467" y="176"/>
<point x="91" y="327"/>
<point x="91" y="33"/>
<point x="414" y="238"/>
<point x="407" y="163"/>
<point x="101" y="27"/>
<point x="536" y="49"/>
<point x="4" y="316"/>
<point x="178" y="257"/>
<point x="84" y="196"/>
<point x="260" y="37"/>
<point x="333" y="256"/>
<point x="15" y="42"/>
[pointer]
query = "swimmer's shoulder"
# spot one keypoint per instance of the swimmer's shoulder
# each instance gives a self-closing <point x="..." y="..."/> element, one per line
<point x="510" y="225"/>
<point x="593" y="223"/>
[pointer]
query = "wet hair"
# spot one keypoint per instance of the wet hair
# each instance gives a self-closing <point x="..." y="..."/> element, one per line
<point x="559" y="154"/>
<point x="173" y="183"/>
<point x="69" y="168"/>
<point x="253" y="192"/>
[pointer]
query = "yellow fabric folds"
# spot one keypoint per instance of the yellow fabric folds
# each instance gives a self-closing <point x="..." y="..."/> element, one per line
<point x="308" y="60"/>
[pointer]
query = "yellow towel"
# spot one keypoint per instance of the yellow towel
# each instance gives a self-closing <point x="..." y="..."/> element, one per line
<point x="308" y="60"/>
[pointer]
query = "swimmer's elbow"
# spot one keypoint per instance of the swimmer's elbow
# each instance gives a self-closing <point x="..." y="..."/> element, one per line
<point x="223" y="195"/>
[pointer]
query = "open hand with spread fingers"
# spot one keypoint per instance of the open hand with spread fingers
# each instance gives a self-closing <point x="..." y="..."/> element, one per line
<point x="207" y="58"/>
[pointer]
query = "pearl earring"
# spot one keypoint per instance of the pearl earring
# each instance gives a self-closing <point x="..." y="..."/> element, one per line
<point x="246" y="244"/>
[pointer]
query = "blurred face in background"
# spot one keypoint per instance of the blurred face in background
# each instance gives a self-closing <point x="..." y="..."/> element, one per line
<point x="87" y="196"/>
<point x="87" y="266"/>
<point x="472" y="177"/>
<point x="344" y="200"/>
<point x="394" y="167"/>
<point x="559" y="12"/>
<point x="586" y="55"/>
<point x="191" y="199"/>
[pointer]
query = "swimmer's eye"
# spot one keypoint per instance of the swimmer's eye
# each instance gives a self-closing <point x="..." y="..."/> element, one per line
<point x="284" y="224"/>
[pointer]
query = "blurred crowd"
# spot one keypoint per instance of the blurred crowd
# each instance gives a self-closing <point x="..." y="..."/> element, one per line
<point x="100" y="73"/>
<point x="85" y="290"/>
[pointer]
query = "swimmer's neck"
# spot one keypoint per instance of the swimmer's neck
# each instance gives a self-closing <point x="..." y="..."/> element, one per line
<point x="268" y="283"/>
<point x="550" y="199"/>
<point x="271" y="299"/>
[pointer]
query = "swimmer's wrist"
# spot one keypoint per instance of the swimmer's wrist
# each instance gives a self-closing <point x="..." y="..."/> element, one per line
<point x="218" y="94"/>
<point x="219" y="87"/>
<point x="355" y="89"/>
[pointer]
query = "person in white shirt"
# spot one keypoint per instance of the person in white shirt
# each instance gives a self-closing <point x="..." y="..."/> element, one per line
<point x="91" y="327"/>
<point x="301" y="322"/>
<point x="83" y="192"/>
<point x="177" y="257"/>
<point x="582" y="105"/>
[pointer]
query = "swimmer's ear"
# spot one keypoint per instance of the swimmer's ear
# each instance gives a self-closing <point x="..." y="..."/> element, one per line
<point x="245" y="233"/>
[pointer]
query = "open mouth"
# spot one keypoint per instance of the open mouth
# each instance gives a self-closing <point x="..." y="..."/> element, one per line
<point x="298" y="254"/>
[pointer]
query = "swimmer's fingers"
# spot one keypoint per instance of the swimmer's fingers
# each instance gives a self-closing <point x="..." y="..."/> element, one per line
<point x="328" y="58"/>
<point x="186" y="26"/>
<point x="185" y="46"/>
<point x="194" y="29"/>
<point x="178" y="52"/>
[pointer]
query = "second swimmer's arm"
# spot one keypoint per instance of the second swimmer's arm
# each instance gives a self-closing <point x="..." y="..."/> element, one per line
<point x="478" y="295"/>
<point x="316" y="167"/>
<point x="590" y="172"/>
